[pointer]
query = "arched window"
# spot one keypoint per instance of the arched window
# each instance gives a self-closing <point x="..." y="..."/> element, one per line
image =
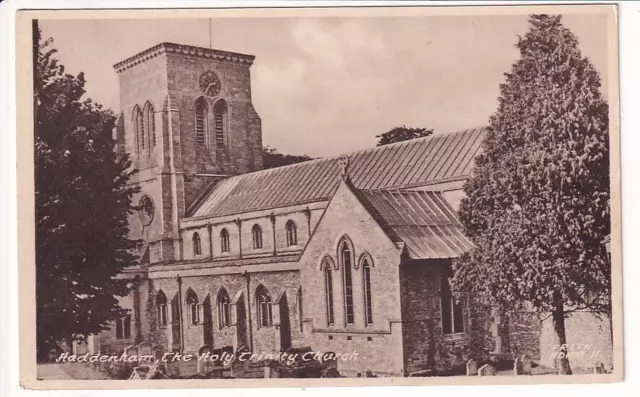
<point x="452" y="316"/>
<point x="201" y="121"/>
<point x="197" y="246"/>
<point x="366" y="282"/>
<point x="300" y="308"/>
<point x="328" y="292"/>
<point x="345" y="253"/>
<point x="224" y="240"/>
<point x="256" y="232"/>
<point x="194" y="307"/>
<point x="123" y="327"/>
<point x="292" y="236"/>
<point x="224" y="309"/>
<point x="138" y="122"/>
<point x="263" y="302"/>
<point x="150" y="124"/>
<point x="161" y="305"/>
<point x="220" y="119"/>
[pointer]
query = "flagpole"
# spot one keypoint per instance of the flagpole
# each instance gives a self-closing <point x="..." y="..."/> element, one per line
<point x="210" y="33"/>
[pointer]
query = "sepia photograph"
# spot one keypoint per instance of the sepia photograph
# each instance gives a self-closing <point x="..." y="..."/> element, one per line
<point x="238" y="196"/>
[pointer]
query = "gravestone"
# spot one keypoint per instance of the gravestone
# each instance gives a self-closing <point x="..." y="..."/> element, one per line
<point x="527" y="364"/>
<point x="173" y="367"/>
<point x="517" y="366"/>
<point x="486" y="370"/>
<point x="131" y="350"/>
<point x="158" y="352"/>
<point x="204" y="364"/>
<point x="144" y="349"/>
<point x="599" y="368"/>
<point x="472" y="367"/>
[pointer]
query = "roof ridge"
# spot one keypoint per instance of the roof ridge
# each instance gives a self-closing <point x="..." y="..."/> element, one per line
<point x="375" y="148"/>
<point x="398" y="167"/>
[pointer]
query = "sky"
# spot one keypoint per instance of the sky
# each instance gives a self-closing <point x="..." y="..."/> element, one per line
<point x="329" y="85"/>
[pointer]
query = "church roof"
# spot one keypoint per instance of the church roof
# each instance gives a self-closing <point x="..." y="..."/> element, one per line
<point x="418" y="162"/>
<point x="424" y="221"/>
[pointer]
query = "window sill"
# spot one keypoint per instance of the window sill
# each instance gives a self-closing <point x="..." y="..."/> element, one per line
<point x="455" y="336"/>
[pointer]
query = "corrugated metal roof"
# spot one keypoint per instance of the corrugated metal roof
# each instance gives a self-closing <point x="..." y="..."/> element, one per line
<point x="424" y="221"/>
<point x="412" y="163"/>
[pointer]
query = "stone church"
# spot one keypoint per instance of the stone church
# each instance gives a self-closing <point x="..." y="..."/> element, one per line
<point x="340" y="254"/>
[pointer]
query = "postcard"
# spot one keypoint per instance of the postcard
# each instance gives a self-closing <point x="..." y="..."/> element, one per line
<point x="286" y="197"/>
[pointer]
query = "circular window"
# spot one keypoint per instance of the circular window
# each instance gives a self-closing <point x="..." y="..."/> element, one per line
<point x="146" y="210"/>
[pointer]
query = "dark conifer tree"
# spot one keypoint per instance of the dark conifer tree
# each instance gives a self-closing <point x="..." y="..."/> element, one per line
<point x="537" y="205"/>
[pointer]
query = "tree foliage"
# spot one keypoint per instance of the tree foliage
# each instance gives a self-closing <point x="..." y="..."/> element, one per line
<point x="82" y="202"/>
<point x="272" y="158"/>
<point x="537" y="205"/>
<point x="404" y="133"/>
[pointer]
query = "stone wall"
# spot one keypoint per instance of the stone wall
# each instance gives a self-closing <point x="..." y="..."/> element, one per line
<point x="425" y="345"/>
<point x="379" y="345"/>
<point x="281" y="286"/>
<point x="242" y="151"/>
<point x="588" y="339"/>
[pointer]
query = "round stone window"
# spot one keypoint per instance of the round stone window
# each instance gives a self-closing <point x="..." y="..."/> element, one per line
<point x="146" y="210"/>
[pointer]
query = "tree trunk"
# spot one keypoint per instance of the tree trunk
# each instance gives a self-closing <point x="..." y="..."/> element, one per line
<point x="561" y="361"/>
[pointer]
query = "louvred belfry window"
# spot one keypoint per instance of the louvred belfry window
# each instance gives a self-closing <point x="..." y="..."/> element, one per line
<point x="138" y="122"/>
<point x="201" y="121"/>
<point x="220" y="115"/>
<point x="151" y="125"/>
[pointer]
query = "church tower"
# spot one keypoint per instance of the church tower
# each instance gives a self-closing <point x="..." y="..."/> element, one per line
<point x="186" y="121"/>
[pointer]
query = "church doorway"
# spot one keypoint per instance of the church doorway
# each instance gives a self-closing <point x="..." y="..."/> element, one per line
<point x="175" y="323"/>
<point x="207" y="322"/>
<point x="241" y="324"/>
<point x="285" y="323"/>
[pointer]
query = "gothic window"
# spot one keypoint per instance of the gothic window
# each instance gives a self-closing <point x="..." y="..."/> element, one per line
<point x="346" y="260"/>
<point x="123" y="327"/>
<point x="161" y="305"/>
<point x="197" y="247"/>
<point x="256" y="232"/>
<point x="150" y="124"/>
<point x="201" y="121"/>
<point x="224" y="240"/>
<point x="194" y="307"/>
<point x="292" y="237"/>
<point x="300" y="308"/>
<point x="328" y="292"/>
<point x="138" y="122"/>
<point x="224" y="309"/>
<point x="452" y="317"/>
<point x="366" y="282"/>
<point x="263" y="302"/>
<point x="220" y="120"/>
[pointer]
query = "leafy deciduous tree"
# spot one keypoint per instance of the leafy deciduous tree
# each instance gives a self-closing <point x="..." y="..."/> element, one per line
<point x="404" y="133"/>
<point x="82" y="202"/>
<point x="272" y="158"/>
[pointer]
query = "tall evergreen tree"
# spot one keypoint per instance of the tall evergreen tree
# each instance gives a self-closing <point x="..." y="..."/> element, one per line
<point x="537" y="205"/>
<point x="82" y="203"/>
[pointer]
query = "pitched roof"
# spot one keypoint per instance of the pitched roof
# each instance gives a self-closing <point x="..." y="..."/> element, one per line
<point x="417" y="162"/>
<point x="424" y="221"/>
